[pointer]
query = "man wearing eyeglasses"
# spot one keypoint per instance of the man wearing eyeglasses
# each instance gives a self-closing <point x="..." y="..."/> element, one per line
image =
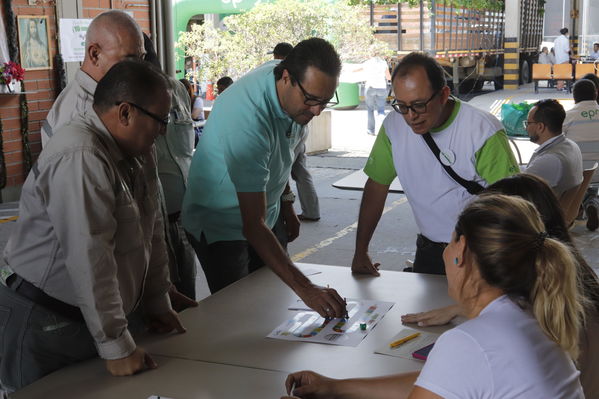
<point x="241" y="167"/>
<point x="88" y="248"/>
<point x="470" y="141"/>
<point x="558" y="159"/>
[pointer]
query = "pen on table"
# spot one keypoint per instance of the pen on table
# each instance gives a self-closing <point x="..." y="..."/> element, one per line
<point x="346" y="313"/>
<point x="403" y="340"/>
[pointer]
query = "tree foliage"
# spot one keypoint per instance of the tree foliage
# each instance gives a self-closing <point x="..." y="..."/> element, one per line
<point x="476" y="4"/>
<point x="247" y="38"/>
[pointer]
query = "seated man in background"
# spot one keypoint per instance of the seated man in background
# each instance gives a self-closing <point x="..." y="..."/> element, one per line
<point x="557" y="159"/>
<point x="595" y="79"/>
<point x="594" y="55"/>
<point x="88" y="248"/>
<point x="582" y="126"/>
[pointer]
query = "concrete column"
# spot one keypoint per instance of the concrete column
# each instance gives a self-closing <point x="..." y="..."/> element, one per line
<point x="69" y="9"/>
<point x="511" y="44"/>
<point x="575" y="31"/>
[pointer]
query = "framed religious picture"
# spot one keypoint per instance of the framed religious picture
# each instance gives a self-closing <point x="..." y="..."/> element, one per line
<point x="34" y="42"/>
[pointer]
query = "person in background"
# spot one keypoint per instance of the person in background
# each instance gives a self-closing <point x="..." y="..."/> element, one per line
<point x="544" y="57"/>
<point x="281" y="50"/>
<point x="197" y="111"/>
<point x="377" y="76"/>
<point x="582" y="126"/>
<point x="594" y="55"/>
<point x="552" y="56"/>
<point x="535" y="190"/>
<point x="558" y="159"/>
<point x="561" y="45"/>
<point x="595" y="79"/>
<point x="88" y="248"/>
<point x="173" y="152"/>
<point x="523" y="325"/>
<point x="222" y="84"/>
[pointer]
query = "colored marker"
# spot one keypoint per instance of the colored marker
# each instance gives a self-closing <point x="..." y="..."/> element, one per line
<point x="403" y="340"/>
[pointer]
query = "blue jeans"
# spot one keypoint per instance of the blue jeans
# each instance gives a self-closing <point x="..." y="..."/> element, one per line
<point x="35" y="341"/>
<point x="375" y="98"/>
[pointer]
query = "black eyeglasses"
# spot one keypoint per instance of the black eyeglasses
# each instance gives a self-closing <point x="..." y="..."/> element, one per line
<point x="312" y="101"/>
<point x="417" y="108"/>
<point x="163" y="121"/>
<point x="526" y="123"/>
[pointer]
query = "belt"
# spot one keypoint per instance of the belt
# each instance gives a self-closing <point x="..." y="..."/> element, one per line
<point x="39" y="297"/>
<point x="431" y="242"/>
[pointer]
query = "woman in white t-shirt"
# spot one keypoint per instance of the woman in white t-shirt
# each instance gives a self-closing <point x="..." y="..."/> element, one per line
<point x="518" y="288"/>
<point x="537" y="191"/>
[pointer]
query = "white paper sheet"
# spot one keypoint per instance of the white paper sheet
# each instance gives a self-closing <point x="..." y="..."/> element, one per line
<point x="308" y="326"/>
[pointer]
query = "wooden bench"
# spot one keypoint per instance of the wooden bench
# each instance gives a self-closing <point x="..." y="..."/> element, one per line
<point x="541" y="72"/>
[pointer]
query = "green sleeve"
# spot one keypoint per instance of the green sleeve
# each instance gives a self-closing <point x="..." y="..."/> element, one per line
<point x="379" y="166"/>
<point x="495" y="160"/>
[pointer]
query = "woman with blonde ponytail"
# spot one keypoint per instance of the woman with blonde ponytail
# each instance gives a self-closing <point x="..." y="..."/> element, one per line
<point x="536" y="190"/>
<point x="519" y="289"/>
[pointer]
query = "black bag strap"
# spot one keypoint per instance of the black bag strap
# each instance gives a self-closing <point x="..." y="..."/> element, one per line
<point x="473" y="187"/>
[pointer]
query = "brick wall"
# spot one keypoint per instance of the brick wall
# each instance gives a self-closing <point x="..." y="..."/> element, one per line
<point x="41" y="85"/>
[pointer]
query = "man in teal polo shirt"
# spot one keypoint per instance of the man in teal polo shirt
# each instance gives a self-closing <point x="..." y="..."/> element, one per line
<point x="241" y="167"/>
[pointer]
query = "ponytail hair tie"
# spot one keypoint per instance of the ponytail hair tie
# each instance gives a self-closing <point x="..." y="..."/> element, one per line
<point x="540" y="239"/>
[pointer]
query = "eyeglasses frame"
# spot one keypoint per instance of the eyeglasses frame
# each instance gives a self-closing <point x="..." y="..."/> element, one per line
<point x="395" y="105"/>
<point x="162" y="121"/>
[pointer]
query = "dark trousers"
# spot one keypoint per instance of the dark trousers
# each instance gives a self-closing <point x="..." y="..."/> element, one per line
<point x="225" y="262"/>
<point x="429" y="256"/>
<point x="182" y="258"/>
<point x="35" y="341"/>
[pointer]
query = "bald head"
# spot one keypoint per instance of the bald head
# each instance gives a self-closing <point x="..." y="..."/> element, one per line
<point x="111" y="37"/>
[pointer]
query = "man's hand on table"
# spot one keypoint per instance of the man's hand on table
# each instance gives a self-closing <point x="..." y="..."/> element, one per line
<point x="138" y="361"/>
<point x="325" y="301"/>
<point x="362" y="264"/>
<point x="163" y="323"/>
<point x="180" y="302"/>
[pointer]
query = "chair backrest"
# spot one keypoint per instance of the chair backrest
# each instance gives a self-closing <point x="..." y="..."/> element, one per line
<point x="571" y="199"/>
<point x="541" y="71"/>
<point x="583" y="69"/>
<point x="562" y="71"/>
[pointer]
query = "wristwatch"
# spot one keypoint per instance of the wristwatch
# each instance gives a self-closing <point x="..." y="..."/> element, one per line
<point x="288" y="197"/>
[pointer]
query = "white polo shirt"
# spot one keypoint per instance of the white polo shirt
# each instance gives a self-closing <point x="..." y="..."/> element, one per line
<point x="475" y="142"/>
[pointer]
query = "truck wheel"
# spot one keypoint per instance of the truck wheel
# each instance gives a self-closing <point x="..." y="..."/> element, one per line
<point x="525" y="72"/>
<point x="498" y="82"/>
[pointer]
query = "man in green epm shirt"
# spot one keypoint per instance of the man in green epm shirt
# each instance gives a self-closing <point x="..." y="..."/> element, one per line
<point x="471" y="142"/>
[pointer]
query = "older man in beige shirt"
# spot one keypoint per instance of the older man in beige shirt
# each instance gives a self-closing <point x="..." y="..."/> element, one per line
<point x="112" y="36"/>
<point x="89" y="248"/>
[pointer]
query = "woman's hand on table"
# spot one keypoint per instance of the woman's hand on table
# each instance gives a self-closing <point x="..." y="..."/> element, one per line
<point x="435" y="317"/>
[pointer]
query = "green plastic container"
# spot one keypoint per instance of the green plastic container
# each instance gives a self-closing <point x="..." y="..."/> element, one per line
<point x="349" y="96"/>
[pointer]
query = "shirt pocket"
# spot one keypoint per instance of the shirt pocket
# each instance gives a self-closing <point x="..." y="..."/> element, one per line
<point x="128" y="236"/>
